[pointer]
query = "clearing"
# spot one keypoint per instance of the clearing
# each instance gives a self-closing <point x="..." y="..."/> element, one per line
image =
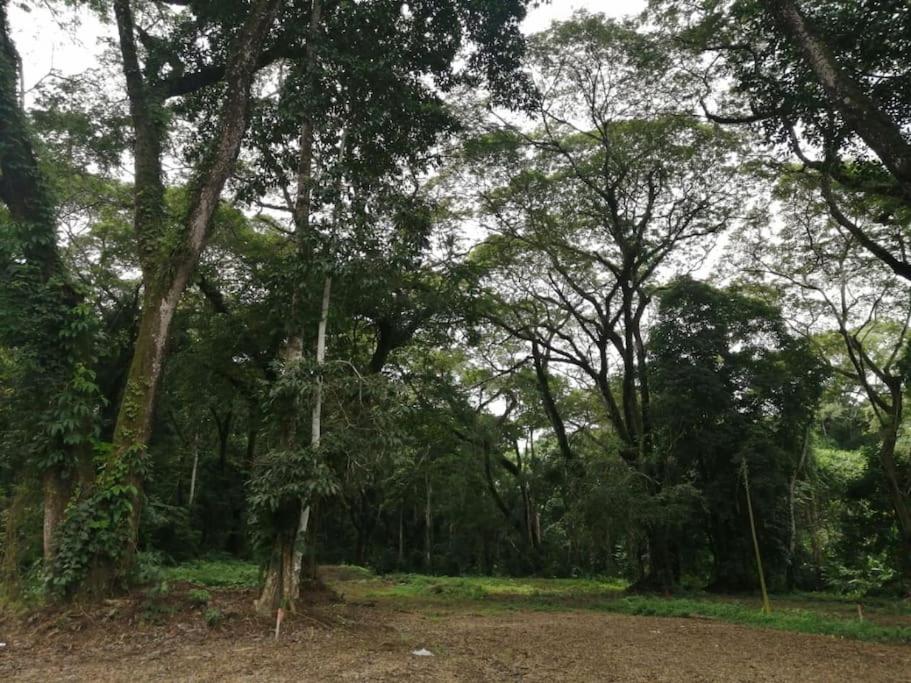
<point x="198" y="626"/>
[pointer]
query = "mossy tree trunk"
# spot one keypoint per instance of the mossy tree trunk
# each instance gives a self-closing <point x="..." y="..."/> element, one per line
<point x="168" y="261"/>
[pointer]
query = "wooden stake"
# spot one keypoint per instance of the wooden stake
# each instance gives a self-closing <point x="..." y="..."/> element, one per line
<point x="279" y="617"/>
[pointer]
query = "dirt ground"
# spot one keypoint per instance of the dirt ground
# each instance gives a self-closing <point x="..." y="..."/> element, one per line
<point x="141" y="640"/>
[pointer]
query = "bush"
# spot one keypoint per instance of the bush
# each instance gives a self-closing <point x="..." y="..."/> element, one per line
<point x="199" y="596"/>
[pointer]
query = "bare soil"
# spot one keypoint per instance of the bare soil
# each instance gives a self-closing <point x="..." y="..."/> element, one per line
<point x="144" y="638"/>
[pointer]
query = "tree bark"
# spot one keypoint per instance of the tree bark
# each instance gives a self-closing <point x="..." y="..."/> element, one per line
<point x="167" y="273"/>
<point x="428" y="523"/>
<point x="57" y="491"/>
<point x="792" y="510"/>
<point x="899" y="497"/>
<point x="315" y="431"/>
<point x="193" y="473"/>
<point x="400" y="558"/>
<point x="550" y="405"/>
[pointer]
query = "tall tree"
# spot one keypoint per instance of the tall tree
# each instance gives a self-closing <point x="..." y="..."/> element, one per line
<point x="733" y="388"/>
<point x="169" y="249"/>
<point x="827" y="81"/>
<point x="838" y="288"/>
<point x="323" y="134"/>
<point x="42" y="310"/>
<point x="615" y="188"/>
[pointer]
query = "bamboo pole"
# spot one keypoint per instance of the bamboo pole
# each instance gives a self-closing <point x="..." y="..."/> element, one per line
<point x="766" y="605"/>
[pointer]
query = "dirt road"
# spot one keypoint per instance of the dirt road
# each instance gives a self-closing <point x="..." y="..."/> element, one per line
<point x="345" y="642"/>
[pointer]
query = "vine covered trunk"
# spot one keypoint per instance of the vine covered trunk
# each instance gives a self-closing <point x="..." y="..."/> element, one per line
<point x="51" y="326"/>
<point x="166" y="270"/>
<point x="281" y="587"/>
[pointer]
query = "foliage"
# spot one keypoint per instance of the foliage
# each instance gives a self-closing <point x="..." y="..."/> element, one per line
<point x="223" y="573"/>
<point x="199" y="596"/>
<point x="213" y="617"/>
<point x="572" y="305"/>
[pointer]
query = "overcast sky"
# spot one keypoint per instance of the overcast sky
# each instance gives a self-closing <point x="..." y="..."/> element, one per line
<point x="45" y="45"/>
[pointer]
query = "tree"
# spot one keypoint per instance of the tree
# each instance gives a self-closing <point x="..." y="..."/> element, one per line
<point x="839" y="289"/>
<point x="169" y="250"/>
<point x="322" y="133"/>
<point x="42" y="311"/>
<point x="613" y="190"/>
<point x="827" y="81"/>
<point x="733" y="387"/>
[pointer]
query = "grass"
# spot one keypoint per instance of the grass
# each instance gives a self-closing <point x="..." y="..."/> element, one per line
<point x="214" y="573"/>
<point x="487" y="593"/>
<point x="802" y="612"/>
<point x="785" y="619"/>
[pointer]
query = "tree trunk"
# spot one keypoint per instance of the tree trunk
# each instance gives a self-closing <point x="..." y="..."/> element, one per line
<point x="56" y="490"/>
<point x="792" y="511"/>
<point x="658" y="575"/>
<point x="278" y="589"/>
<point x="193" y="473"/>
<point x="166" y="274"/>
<point x="899" y="497"/>
<point x="550" y="405"/>
<point x="871" y="121"/>
<point x="428" y="523"/>
<point x="223" y="427"/>
<point x="281" y="579"/>
<point x="315" y="424"/>
<point x="400" y="558"/>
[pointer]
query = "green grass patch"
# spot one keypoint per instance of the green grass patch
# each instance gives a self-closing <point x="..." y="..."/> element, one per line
<point x="797" y="620"/>
<point x="801" y="613"/>
<point x="498" y="594"/>
<point x="491" y="587"/>
<point x="215" y="573"/>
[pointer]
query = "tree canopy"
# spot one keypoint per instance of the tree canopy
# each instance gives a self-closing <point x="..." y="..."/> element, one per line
<point x="398" y="285"/>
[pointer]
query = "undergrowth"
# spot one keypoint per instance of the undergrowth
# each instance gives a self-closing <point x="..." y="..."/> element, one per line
<point x="215" y="573"/>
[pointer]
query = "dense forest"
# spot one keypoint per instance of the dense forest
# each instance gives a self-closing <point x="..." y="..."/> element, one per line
<point x="396" y="285"/>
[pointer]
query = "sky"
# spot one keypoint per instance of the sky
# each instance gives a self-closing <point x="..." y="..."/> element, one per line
<point x="45" y="45"/>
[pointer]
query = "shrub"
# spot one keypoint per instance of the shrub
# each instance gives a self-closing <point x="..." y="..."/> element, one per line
<point x="199" y="596"/>
<point x="213" y="617"/>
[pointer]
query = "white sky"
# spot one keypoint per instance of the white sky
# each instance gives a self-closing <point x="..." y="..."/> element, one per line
<point x="45" y="45"/>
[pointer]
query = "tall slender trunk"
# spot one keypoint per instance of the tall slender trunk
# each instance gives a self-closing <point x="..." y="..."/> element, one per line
<point x="315" y="425"/>
<point x="900" y="502"/>
<point x="815" y="544"/>
<point x="193" y="473"/>
<point x="400" y="558"/>
<point x="281" y="587"/>
<point x="428" y="523"/>
<point x="792" y="510"/>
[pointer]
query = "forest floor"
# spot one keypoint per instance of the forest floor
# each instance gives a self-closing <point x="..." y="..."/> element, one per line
<point x="198" y="625"/>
